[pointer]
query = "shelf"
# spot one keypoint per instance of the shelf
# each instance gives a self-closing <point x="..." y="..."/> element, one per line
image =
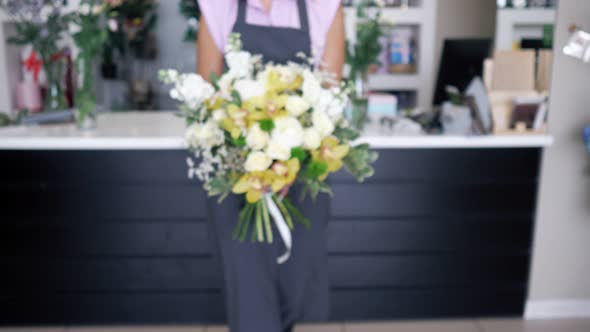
<point x="513" y="24"/>
<point x="527" y="16"/>
<point x="397" y="15"/>
<point x="387" y="82"/>
<point x="4" y="17"/>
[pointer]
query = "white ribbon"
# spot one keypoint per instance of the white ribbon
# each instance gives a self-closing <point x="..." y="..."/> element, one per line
<point x="282" y="226"/>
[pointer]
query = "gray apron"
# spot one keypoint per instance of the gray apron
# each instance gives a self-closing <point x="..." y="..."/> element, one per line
<point x="261" y="295"/>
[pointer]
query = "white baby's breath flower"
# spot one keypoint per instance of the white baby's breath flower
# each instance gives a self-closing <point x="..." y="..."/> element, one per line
<point x="311" y="139"/>
<point x="278" y="151"/>
<point x="73" y="28"/>
<point x="84" y="9"/>
<point x="257" y="139"/>
<point x="288" y="132"/>
<point x="296" y="105"/>
<point x="204" y="135"/>
<point x="257" y="161"/>
<point x="249" y="89"/>
<point x="172" y="75"/>
<point x="322" y="123"/>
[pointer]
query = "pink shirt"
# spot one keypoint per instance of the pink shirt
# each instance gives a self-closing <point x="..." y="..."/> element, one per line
<point x="221" y="16"/>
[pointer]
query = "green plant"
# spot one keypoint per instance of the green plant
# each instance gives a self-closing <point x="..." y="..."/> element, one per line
<point x="134" y="21"/>
<point x="41" y="24"/>
<point x="89" y="39"/>
<point x="191" y="11"/>
<point x="369" y="29"/>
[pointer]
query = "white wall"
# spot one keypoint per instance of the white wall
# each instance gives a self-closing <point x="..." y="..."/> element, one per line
<point x="561" y="262"/>
<point x="463" y="19"/>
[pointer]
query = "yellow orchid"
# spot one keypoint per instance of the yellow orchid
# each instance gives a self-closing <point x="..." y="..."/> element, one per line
<point x="270" y="105"/>
<point x="214" y="103"/>
<point x="279" y="83"/>
<point x="254" y="185"/>
<point x="331" y="152"/>
<point x="236" y="120"/>
<point x="285" y="173"/>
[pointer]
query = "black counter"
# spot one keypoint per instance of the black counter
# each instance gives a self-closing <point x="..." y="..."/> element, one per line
<point x="121" y="237"/>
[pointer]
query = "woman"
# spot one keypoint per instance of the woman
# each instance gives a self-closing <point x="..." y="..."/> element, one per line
<point x="261" y="295"/>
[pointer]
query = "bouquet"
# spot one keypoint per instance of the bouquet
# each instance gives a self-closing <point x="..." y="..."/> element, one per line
<point x="259" y="129"/>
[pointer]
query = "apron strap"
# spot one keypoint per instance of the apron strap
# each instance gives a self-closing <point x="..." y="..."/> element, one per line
<point x="301" y="4"/>
<point x="303" y="19"/>
<point x="241" y="12"/>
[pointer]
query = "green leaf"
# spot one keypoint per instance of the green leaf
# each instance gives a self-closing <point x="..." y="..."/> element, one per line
<point x="296" y="213"/>
<point x="236" y="98"/>
<point x="260" y="235"/>
<point x="346" y="134"/>
<point x="267" y="125"/>
<point x="316" y="169"/>
<point x="266" y="218"/>
<point x="300" y="154"/>
<point x="358" y="162"/>
<point x="214" y="80"/>
<point x="240" y="142"/>
<point x="221" y="185"/>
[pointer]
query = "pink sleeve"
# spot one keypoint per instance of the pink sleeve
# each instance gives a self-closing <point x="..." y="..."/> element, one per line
<point x="215" y="12"/>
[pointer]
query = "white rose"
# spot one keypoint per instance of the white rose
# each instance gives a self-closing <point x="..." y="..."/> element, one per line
<point x="288" y="132"/>
<point x="257" y="139"/>
<point x="193" y="90"/>
<point x="239" y="63"/>
<point x="311" y="139"/>
<point x="296" y="105"/>
<point x="218" y="115"/>
<point x="287" y="73"/>
<point x="225" y="85"/>
<point x="278" y="151"/>
<point x="257" y="161"/>
<point x="249" y="89"/>
<point x="322" y="123"/>
<point x="311" y="87"/>
<point x="330" y="104"/>
<point x="204" y="135"/>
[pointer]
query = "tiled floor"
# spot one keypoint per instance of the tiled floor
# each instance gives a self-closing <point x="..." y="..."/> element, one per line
<point x="494" y="325"/>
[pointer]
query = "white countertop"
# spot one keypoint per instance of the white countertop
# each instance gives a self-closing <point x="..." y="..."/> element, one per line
<point x="164" y="131"/>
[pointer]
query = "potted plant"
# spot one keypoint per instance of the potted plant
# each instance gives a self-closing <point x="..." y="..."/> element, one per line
<point x="89" y="39"/>
<point x="41" y="24"/>
<point x="362" y="54"/>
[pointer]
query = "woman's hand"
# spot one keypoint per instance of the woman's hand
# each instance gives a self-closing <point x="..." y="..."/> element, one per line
<point x="334" y="51"/>
<point x="209" y="57"/>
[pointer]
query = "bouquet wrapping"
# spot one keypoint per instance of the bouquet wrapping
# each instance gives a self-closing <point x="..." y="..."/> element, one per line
<point x="260" y="128"/>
